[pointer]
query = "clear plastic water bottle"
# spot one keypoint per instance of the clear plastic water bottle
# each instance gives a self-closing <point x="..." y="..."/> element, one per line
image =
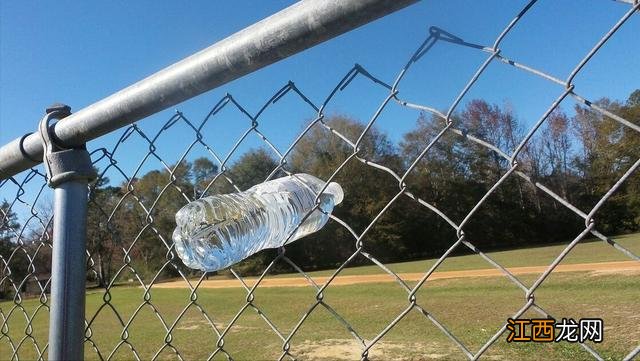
<point x="217" y="231"/>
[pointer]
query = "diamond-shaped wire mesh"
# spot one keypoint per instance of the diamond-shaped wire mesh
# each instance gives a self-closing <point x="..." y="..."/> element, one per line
<point x="27" y="267"/>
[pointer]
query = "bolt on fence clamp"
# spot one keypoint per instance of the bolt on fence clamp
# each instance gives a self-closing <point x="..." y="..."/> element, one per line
<point x="63" y="164"/>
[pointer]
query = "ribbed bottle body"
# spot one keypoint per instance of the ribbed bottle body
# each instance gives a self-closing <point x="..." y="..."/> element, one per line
<point x="217" y="231"/>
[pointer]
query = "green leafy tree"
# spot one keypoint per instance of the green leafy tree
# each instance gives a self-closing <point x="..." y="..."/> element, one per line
<point x="367" y="190"/>
<point x="204" y="171"/>
<point x="608" y="150"/>
<point x="8" y="271"/>
<point x="252" y="168"/>
<point x="104" y="236"/>
<point x="147" y="216"/>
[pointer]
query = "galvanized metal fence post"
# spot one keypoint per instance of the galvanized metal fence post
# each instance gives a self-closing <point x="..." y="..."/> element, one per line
<point x="66" y="328"/>
<point x="68" y="173"/>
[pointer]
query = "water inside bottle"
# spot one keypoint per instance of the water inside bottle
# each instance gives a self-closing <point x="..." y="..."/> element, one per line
<point x="217" y="231"/>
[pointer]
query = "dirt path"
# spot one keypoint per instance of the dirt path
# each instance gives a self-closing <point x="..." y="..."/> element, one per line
<point x="597" y="268"/>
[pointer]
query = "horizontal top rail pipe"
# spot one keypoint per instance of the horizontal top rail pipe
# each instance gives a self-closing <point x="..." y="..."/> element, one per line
<point x="294" y="29"/>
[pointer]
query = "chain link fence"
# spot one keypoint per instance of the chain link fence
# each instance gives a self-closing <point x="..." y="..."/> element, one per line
<point x="34" y="245"/>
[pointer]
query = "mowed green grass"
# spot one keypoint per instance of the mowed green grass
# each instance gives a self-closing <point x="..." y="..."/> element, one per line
<point x="473" y="309"/>
<point x="587" y="251"/>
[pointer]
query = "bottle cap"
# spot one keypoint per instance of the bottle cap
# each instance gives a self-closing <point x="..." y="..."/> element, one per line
<point x="336" y="191"/>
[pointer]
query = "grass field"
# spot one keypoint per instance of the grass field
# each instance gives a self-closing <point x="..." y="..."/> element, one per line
<point x="585" y="252"/>
<point x="472" y="308"/>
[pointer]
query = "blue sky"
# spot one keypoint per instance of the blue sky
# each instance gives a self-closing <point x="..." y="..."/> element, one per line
<point x="79" y="52"/>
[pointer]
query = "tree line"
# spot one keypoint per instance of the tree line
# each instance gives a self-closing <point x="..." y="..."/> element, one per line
<point x="578" y="157"/>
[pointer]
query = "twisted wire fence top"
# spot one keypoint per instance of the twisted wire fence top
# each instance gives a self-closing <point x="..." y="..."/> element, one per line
<point x="33" y="237"/>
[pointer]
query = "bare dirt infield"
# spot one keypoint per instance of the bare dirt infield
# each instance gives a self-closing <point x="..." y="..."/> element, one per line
<point x="625" y="267"/>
